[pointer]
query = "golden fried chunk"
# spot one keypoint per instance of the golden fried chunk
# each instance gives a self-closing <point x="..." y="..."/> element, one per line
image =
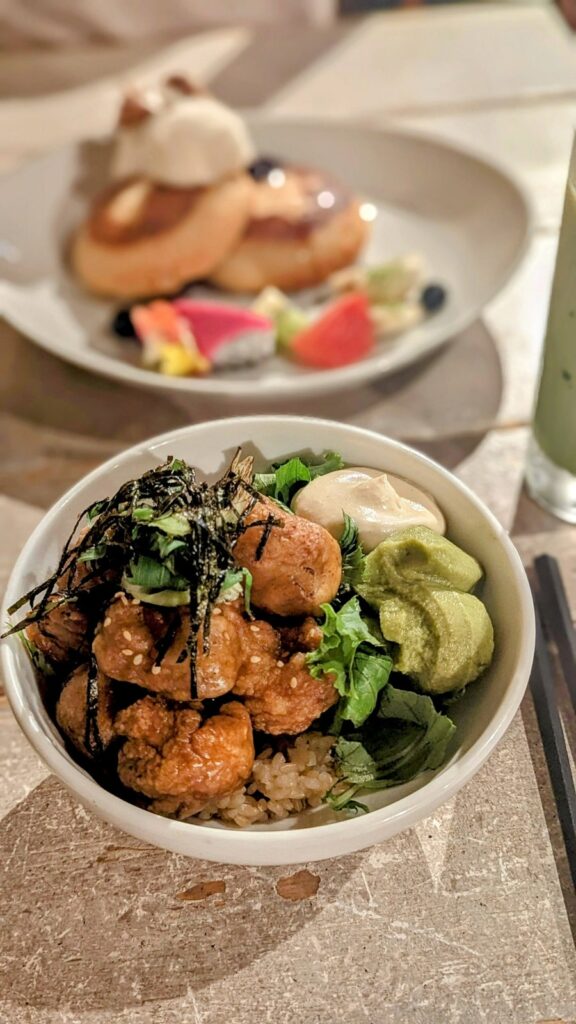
<point x="217" y="669"/>
<point x="60" y="635"/>
<point x="305" y="636"/>
<point x="300" y="567"/>
<point x="71" y="709"/>
<point x="174" y="754"/>
<point x="125" y="649"/>
<point x="281" y="695"/>
<point x="284" y="697"/>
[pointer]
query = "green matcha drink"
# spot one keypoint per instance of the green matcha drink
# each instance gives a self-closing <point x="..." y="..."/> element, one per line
<point x="551" y="471"/>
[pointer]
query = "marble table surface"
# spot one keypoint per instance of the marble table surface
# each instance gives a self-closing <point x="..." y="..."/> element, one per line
<point x="469" y="917"/>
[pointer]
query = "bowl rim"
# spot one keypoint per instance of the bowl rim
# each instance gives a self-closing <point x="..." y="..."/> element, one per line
<point x="244" y="846"/>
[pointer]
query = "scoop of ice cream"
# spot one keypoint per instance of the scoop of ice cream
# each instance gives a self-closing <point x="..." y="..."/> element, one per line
<point x="186" y="141"/>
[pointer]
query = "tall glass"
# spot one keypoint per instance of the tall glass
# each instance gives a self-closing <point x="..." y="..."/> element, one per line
<point x="551" y="470"/>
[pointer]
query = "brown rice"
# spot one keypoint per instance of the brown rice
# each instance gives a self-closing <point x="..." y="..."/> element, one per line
<point x="281" y="783"/>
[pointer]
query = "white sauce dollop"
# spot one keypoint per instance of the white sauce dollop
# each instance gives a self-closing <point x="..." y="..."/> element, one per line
<point x="187" y="142"/>
<point x="379" y="503"/>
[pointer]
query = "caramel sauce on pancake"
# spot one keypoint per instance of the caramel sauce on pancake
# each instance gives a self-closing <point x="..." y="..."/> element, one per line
<point x="293" y="208"/>
<point x="149" y="210"/>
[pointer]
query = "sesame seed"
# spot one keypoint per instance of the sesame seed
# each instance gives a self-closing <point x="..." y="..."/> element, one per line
<point x="255" y="659"/>
<point x="123" y="598"/>
<point x="156" y="670"/>
<point x="280" y="664"/>
<point x="107" y="621"/>
<point x="127" y="652"/>
<point x="138" y="659"/>
<point x="216" y="611"/>
<point x="119" y="593"/>
<point x="293" y="683"/>
<point x="127" y="634"/>
<point x="255" y="629"/>
<point x="136" y="600"/>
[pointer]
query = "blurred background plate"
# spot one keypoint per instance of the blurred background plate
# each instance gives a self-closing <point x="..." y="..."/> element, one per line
<point x="464" y="215"/>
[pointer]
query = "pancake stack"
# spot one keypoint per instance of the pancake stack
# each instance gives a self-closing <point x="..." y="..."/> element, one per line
<point x="187" y="200"/>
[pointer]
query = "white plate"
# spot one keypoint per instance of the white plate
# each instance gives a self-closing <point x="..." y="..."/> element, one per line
<point x="465" y="216"/>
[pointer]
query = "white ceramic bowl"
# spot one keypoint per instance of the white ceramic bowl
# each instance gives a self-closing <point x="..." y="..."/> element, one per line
<point x="482" y="716"/>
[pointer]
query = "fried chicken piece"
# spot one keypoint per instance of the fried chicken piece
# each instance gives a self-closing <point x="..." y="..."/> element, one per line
<point x="125" y="649"/>
<point x="61" y="634"/>
<point x="71" y="709"/>
<point x="218" y="667"/>
<point x="300" y="567"/>
<point x="282" y="697"/>
<point x="177" y="759"/>
<point x="243" y="657"/>
<point x="305" y="636"/>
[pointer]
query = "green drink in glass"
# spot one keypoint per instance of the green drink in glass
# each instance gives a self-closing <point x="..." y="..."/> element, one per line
<point x="551" y="470"/>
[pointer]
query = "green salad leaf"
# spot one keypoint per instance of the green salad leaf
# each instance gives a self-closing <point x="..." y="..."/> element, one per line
<point x="159" y="598"/>
<point x="38" y="659"/>
<point x="353" y="559"/>
<point x="175" y="525"/>
<point x="404" y="737"/>
<point x="240" y="578"/>
<point x="285" y="478"/>
<point x="368" y="677"/>
<point x="93" y="553"/>
<point x="151" y="574"/>
<point x="353" y="652"/>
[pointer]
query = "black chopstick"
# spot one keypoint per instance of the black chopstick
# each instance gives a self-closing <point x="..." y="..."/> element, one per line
<point x="557" y="619"/>
<point x="553" y="742"/>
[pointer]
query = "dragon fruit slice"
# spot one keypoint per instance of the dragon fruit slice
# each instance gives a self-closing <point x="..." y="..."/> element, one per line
<point x="228" y="335"/>
<point x="168" y="344"/>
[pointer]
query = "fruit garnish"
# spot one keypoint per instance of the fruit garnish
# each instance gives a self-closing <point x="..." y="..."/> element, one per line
<point x="433" y="297"/>
<point x="228" y="335"/>
<point x="288" y="318"/>
<point x="343" y="334"/>
<point x="384" y="284"/>
<point x="122" y="325"/>
<point x="261" y="167"/>
<point x="168" y="344"/>
<point x="396" y="317"/>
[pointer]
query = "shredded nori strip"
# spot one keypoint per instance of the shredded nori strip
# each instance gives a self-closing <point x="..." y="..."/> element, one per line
<point x="121" y="529"/>
<point x="92" y="737"/>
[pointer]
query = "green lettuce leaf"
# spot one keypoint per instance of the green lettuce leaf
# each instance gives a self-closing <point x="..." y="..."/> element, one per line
<point x="342" y="633"/>
<point x="351" y="548"/>
<point x="147" y="572"/>
<point x="240" y="578"/>
<point x="353" y="560"/>
<point x="406" y="736"/>
<point x="368" y="677"/>
<point x="92" y="554"/>
<point x="351" y="651"/>
<point x="285" y="478"/>
<point x="175" y="525"/>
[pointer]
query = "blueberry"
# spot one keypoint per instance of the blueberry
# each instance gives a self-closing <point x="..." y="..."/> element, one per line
<point x="122" y="324"/>
<point x="433" y="297"/>
<point x="261" y="167"/>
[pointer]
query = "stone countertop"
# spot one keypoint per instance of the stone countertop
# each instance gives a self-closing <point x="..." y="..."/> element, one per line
<point x="467" y="917"/>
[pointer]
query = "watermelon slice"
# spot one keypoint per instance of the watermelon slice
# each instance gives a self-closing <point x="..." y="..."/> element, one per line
<point x="228" y="335"/>
<point x="343" y="334"/>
